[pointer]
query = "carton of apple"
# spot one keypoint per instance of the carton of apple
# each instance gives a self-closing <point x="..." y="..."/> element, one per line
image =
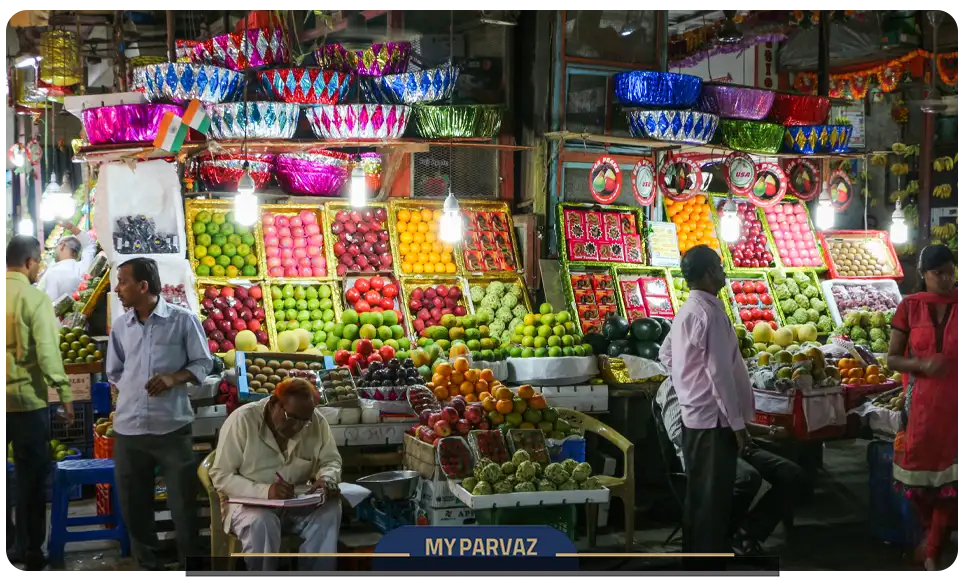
<point x="293" y="244"/>
<point x="229" y="309"/>
<point x="361" y="241"/>
<point x="428" y="304"/>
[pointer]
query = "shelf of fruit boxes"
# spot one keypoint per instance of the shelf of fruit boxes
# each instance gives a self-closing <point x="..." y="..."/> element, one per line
<point x="569" y="232"/>
<point x="728" y="258"/>
<point x="410" y="205"/>
<point x="813" y="281"/>
<point x="202" y="286"/>
<point x="473" y="212"/>
<point x="675" y="277"/>
<point x="632" y="275"/>
<point x="783" y="262"/>
<point x="751" y="291"/>
<point x="424" y="282"/>
<point x="332" y="208"/>
<point x="349" y="283"/>
<point x="194" y="206"/>
<point x="876" y="243"/>
<point x="700" y="199"/>
<point x="294" y="210"/>
<point x="272" y="315"/>
<point x="99" y="290"/>
<point x="570" y="270"/>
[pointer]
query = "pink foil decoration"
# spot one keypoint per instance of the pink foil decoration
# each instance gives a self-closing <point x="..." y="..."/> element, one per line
<point x="317" y="174"/>
<point x="738" y="102"/>
<point x="125" y="123"/>
<point x="358" y="121"/>
<point x="377" y="59"/>
<point x="264" y="47"/>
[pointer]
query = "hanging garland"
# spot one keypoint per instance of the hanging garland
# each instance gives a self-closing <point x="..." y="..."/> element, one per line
<point x="887" y="76"/>
<point x="947" y="68"/>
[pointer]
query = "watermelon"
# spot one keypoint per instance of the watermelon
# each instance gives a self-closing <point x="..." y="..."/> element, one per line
<point x="647" y="349"/>
<point x="597" y="341"/>
<point x="614" y="328"/>
<point x="665" y="325"/>
<point x="619" y="347"/>
<point x="646" y="329"/>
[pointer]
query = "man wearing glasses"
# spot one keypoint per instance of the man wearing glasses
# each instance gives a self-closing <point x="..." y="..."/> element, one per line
<point x="266" y="450"/>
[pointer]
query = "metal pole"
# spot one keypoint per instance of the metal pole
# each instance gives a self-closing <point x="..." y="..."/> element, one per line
<point x="823" y="56"/>
<point x="926" y="180"/>
<point x="171" y="50"/>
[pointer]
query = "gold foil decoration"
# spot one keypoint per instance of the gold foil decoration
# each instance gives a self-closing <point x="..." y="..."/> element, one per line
<point x="60" y="50"/>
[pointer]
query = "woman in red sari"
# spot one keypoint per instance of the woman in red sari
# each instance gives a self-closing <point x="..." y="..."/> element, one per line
<point x="924" y="347"/>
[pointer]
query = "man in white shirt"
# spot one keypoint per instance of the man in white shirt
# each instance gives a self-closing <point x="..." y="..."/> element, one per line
<point x="73" y="256"/>
<point x="267" y="449"/>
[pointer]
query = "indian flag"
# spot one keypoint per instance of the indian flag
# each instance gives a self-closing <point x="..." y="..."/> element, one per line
<point x="171" y="133"/>
<point x="196" y="118"/>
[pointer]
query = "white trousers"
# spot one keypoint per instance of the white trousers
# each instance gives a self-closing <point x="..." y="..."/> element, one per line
<point x="260" y="530"/>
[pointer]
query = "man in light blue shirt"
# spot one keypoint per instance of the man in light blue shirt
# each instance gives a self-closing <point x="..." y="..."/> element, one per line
<point x="155" y="350"/>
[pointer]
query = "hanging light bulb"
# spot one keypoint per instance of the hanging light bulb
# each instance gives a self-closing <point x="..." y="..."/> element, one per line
<point x="25" y="226"/>
<point x="825" y="213"/>
<point x="245" y="203"/>
<point x="53" y="187"/>
<point x="898" y="226"/>
<point x="730" y="226"/>
<point x="246" y="183"/>
<point x="450" y="225"/>
<point x="65" y="205"/>
<point x="358" y="194"/>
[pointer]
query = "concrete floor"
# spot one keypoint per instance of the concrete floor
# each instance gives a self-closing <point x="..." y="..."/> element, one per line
<point x="831" y="532"/>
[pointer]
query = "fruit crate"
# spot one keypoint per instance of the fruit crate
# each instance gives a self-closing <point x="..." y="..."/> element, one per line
<point x="484" y="282"/>
<point x="489" y="245"/>
<point x="273" y="315"/>
<point x="268" y="265"/>
<point x="588" y="296"/>
<point x="877" y="245"/>
<point x="695" y="204"/>
<point x="192" y="207"/>
<point x="420" y="456"/>
<point x="80" y="432"/>
<point x="582" y="226"/>
<point x="265" y="304"/>
<point x="102" y="286"/>
<point x="813" y="281"/>
<point x="641" y="294"/>
<point x="332" y="209"/>
<point x="563" y="517"/>
<point x="403" y="268"/>
<point x="679" y="291"/>
<point x="808" y="237"/>
<point x="410" y="284"/>
<point x="737" y="309"/>
<point x="760" y="235"/>
<point x="882" y="285"/>
<point x="349" y="282"/>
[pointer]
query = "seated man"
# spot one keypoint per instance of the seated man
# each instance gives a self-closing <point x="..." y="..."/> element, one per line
<point x="751" y="527"/>
<point x="265" y="450"/>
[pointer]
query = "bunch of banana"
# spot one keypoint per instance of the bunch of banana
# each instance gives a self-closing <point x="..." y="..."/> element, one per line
<point x="912" y="151"/>
<point x="899" y="169"/>
<point x="944" y="232"/>
<point x="942" y="191"/>
<point x="911" y="215"/>
<point x="898" y="195"/>
<point x="899" y="148"/>
<point x="879" y="159"/>
<point x="942" y="164"/>
<point x="913" y="187"/>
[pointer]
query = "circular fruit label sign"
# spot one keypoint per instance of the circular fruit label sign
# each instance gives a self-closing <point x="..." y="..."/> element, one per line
<point x="841" y="190"/>
<point x="605" y="180"/>
<point x="680" y="179"/>
<point x="34" y="152"/>
<point x="770" y="185"/>
<point x="803" y="176"/>
<point x="739" y="170"/>
<point x="644" y="182"/>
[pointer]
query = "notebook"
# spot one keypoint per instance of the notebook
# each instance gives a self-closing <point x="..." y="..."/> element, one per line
<point x="302" y="499"/>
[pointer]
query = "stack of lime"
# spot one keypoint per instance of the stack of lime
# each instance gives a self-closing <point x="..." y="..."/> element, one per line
<point x="223" y="248"/>
<point x="76" y="347"/>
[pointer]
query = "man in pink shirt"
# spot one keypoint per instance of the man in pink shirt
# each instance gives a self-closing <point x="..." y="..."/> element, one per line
<point x="716" y="400"/>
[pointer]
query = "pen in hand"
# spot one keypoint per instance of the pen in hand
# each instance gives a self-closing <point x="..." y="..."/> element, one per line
<point x="280" y="489"/>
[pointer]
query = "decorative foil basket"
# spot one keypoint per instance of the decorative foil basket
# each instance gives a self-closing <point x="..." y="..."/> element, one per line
<point x="261" y="120"/>
<point x="682" y="126"/>
<point x="306" y="85"/>
<point x="377" y="59"/>
<point x="750" y="136"/>
<point x="125" y="123"/>
<point x="184" y="49"/>
<point x="321" y="173"/>
<point x="222" y="172"/>
<point x="254" y="48"/>
<point x="421" y="87"/>
<point x="799" y="109"/>
<point x="358" y="121"/>
<point x="183" y="82"/>
<point x="657" y="89"/>
<point x="804" y="140"/>
<point x="462" y="121"/>
<point x="836" y="138"/>
<point x="736" y="102"/>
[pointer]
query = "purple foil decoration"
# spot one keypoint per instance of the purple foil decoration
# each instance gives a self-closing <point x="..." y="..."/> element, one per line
<point x="377" y="59"/>
<point x="358" y="121"/>
<point x="736" y="102"/>
<point x="263" y="47"/>
<point x="125" y="123"/>
<point x="317" y="174"/>
<point x="746" y="43"/>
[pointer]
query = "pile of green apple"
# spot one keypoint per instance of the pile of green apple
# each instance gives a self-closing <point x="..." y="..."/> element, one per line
<point x="546" y="334"/>
<point x="464" y="335"/>
<point x="308" y="307"/>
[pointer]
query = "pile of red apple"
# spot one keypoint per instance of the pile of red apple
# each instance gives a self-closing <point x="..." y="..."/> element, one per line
<point x="293" y="245"/>
<point x="374" y="294"/>
<point x="753" y="303"/>
<point x="751" y="249"/>
<point x="456" y="418"/>
<point x="363" y="357"/>
<point x="792" y="235"/>
<point x="228" y="310"/>
<point x="361" y="243"/>
<point x="427" y="306"/>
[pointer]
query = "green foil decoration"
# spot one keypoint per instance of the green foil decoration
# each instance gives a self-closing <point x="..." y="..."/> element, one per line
<point x="465" y="121"/>
<point x="752" y="137"/>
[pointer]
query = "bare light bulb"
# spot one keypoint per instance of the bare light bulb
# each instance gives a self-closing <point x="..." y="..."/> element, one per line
<point x="25" y="226"/>
<point x="824" y="214"/>
<point x="730" y="226"/>
<point x="898" y="226"/>
<point x="358" y="193"/>
<point x="245" y="209"/>
<point x="246" y="184"/>
<point x="450" y="225"/>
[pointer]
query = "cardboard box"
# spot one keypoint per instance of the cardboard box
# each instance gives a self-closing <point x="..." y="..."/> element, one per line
<point x="452" y="516"/>
<point x="79" y="389"/>
<point x="420" y="456"/>
<point x="435" y="493"/>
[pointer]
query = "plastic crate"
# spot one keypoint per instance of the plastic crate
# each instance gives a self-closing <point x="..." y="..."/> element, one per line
<point x="79" y="433"/>
<point x="563" y="518"/>
<point x="570" y="449"/>
<point x="893" y="518"/>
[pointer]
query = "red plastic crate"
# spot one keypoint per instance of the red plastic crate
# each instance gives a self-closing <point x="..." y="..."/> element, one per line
<point x="796" y="423"/>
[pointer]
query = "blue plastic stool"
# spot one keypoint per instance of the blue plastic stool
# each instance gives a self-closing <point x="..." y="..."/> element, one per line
<point x="83" y="473"/>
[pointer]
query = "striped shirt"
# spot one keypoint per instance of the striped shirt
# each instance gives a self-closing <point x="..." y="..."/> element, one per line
<point x="672" y="417"/>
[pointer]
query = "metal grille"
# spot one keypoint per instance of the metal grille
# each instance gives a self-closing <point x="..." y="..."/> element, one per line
<point x="471" y="172"/>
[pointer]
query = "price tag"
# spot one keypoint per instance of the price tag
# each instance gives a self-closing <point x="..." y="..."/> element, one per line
<point x="663" y="245"/>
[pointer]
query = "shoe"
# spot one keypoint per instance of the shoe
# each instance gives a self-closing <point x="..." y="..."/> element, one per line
<point x="14" y="556"/>
<point x="34" y="563"/>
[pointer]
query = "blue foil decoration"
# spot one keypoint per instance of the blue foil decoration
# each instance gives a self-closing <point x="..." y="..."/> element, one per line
<point x="836" y="138"/>
<point x="264" y="120"/>
<point x="803" y="140"/>
<point x="657" y="89"/>
<point x="182" y="82"/>
<point x="421" y="87"/>
<point x="680" y="126"/>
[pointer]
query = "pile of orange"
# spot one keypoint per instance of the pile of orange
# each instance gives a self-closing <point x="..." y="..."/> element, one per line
<point x="694" y="223"/>
<point x="418" y="244"/>
<point x="457" y="378"/>
<point x="851" y="373"/>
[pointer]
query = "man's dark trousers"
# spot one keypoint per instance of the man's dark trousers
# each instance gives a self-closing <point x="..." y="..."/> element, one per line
<point x="29" y="431"/>
<point x="710" y="457"/>
<point x="785" y="479"/>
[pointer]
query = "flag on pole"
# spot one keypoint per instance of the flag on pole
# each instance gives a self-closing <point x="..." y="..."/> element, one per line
<point x="196" y="118"/>
<point x="171" y="133"/>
